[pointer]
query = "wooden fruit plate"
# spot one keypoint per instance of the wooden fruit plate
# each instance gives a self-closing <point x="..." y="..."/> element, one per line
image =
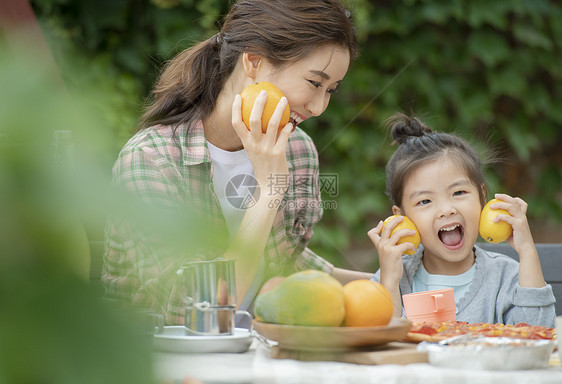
<point x="308" y="338"/>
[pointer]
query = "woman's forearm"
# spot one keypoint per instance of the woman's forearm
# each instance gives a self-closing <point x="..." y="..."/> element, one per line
<point x="248" y="244"/>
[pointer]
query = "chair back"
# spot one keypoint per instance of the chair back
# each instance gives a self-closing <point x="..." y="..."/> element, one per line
<point x="550" y="256"/>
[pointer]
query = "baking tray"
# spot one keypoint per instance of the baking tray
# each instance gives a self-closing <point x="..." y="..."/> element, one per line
<point x="489" y="353"/>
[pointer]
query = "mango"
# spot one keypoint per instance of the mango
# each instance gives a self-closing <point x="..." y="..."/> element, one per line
<point x="312" y="298"/>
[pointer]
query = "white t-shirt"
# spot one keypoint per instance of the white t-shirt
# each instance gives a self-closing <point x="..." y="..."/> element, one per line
<point x="424" y="281"/>
<point x="234" y="183"/>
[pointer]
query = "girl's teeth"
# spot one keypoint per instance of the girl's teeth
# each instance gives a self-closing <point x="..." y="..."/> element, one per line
<point x="452" y="227"/>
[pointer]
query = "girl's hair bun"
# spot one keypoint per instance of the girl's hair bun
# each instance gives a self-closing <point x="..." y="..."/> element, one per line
<point x="403" y="127"/>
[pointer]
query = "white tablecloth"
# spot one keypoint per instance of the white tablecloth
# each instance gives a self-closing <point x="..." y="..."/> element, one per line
<point x="255" y="366"/>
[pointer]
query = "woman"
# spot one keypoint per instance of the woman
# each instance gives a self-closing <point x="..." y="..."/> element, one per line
<point x="192" y="142"/>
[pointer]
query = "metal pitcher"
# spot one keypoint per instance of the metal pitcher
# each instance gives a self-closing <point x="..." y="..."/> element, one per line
<point x="210" y="288"/>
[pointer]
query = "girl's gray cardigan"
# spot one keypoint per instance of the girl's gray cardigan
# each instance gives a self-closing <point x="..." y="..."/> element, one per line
<point x="494" y="295"/>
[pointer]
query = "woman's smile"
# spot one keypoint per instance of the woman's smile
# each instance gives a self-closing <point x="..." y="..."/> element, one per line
<point x="310" y="82"/>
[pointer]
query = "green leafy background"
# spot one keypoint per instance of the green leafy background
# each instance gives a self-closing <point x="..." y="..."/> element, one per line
<point x="488" y="70"/>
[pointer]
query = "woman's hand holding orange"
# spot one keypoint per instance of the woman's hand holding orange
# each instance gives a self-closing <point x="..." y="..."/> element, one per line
<point x="267" y="151"/>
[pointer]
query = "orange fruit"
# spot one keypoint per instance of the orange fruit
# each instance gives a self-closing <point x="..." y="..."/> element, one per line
<point x="367" y="304"/>
<point x="274" y="94"/>
<point x="490" y="231"/>
<point x="405" y="224"/>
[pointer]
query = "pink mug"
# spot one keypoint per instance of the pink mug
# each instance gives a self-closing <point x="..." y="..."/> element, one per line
<point x="436" y="305"/>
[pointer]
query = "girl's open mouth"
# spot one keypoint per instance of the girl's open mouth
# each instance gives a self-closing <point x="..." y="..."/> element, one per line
<point x="452" y="236"/>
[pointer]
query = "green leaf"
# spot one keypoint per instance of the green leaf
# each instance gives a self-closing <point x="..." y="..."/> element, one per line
<point x="538" y="100"/>
<point x="507" y="81"/>
<point x="555" y="26"/>
<point x="522" y="141"/>
<point x="165" y="4"/>
<point x="96" y="14"/>
<point x="476" y="107"/>
<point x="531" y="36"/>
<point x="442" y="12"/>
<point x="494" y="13"/>
<point x="210" y="9"/>
<point x="489" y="47"/>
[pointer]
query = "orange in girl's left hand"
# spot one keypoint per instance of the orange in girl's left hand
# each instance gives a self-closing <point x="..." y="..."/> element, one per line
<point x="274" y="94"/>
<point x="405" y="224"/>
<point x="490" y="231"/>
<point x="367" y="304"/>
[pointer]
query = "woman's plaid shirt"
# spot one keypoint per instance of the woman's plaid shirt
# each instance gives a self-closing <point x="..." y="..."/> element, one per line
<point x="159" y="167"/>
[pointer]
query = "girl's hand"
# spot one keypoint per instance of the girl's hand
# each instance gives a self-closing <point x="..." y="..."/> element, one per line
<point x="390" y="254"/>
<point x="390" y="257"/>
<point x="267" y="151"/>
<point x="530" y="271"/>
<point x="521" y="240"/>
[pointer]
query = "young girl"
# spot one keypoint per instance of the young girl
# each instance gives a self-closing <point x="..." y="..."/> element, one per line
<point x="192" y="142"/>
<point x="436" y="180"/>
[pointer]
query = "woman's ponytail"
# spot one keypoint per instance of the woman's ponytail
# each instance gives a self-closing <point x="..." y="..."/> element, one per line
<point x="188" y="87"/>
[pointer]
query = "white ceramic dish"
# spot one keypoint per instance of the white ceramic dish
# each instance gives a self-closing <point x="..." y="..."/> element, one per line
<point x="176" y="339"/>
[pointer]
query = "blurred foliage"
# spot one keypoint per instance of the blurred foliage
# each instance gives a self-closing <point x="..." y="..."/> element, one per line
<point x="54" y="186"/>
<point x="487" y="70"/>
<point x="54" y="328"/>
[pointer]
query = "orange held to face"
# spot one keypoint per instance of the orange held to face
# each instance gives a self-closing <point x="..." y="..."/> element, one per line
<point x="274" y="94"/>
<point x="490" y="231"/>
<point x="367" y="304"/>
<point x="405" y="224"/>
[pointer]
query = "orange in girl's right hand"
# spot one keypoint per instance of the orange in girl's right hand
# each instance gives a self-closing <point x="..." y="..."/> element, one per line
<point x="405" y="224"/>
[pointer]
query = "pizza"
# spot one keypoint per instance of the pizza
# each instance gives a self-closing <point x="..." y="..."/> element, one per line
<point x="440" y="330"/>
